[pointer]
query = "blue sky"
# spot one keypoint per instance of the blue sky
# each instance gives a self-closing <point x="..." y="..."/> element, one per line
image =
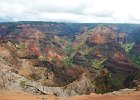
<point x="89" y="11"/>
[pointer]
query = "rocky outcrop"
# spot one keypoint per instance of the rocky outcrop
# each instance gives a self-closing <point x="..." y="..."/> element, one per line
<point x="12" y="81"/>
<point x="121" y="38"/>
<point x="101" y="81"/>
<point x="118" y="58"/>
<point x="82" y="85"/>
<point x="136" y="84"/>
<point x="79" y="59"/>
<point x="103" y="34"/>
<point x="8" y="55"/>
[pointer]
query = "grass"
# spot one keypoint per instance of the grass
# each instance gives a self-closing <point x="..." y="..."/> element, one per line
<point x="127" y="47"/>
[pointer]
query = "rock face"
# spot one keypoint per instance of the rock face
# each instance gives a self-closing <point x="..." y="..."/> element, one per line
<point x="118" y="58"/>
<point x="8" y="55"/>
<point x="12" y="81"/>
<point x="118" y="64"/>
<point x="103" y="34"/>
<point x="101" y="81"/>
<point x="83" y="85"/>
<point x="79" y="59"/>
<point x="105" y="44"/>
<point x="136" y="84"/>
<point x="31" y="40"/>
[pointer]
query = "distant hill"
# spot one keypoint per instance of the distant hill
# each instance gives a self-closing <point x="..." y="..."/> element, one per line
<point x="64" y="29"/>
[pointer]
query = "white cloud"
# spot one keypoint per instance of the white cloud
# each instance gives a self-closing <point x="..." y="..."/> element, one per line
<point x="111" y="11"/>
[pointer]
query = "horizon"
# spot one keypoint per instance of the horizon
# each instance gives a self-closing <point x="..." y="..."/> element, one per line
<point x="67" y="22"/>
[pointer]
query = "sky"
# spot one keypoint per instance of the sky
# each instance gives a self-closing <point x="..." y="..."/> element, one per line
<point x="79" y="11"/>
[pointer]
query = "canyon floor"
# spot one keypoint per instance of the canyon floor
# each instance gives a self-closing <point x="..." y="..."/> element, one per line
<point x="14" y="95"/>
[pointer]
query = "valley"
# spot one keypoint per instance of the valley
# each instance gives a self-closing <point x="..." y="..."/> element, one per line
<point x="69" y="60"/>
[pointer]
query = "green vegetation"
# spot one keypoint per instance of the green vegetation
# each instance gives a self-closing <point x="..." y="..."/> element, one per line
<point x="67" y="62"/>
<point x="136" y="60"/>
<point x="23" y="84"/>
<point x="83" y="47"/>
<point x="21" y="46"/>
<point x="62" y="40"/>
<point x="98" y="63"/>
<point x="77" y="47"/>
<point x="69" y="49"/>
<point x="127" y="47"/>
<point x="41" y="58"/>
<point x="115" y="80"/>
<point x="101" y="82"/>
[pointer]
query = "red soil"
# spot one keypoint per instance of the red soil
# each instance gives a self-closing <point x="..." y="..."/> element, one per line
<point x="12" y="95"/>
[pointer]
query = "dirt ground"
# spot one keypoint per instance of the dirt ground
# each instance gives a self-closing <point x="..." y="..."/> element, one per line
<point x="12" y="95"/>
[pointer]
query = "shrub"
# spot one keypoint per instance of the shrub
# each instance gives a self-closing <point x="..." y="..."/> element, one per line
<point x="21" y="46"/>
<point x="136" y="60"/>
<point x="23" y="84"/>
<point x="67" y="62"/>
<point x="69" y="49"/>
<point x="127" y="47"/>
<point x="98" y="63"/>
